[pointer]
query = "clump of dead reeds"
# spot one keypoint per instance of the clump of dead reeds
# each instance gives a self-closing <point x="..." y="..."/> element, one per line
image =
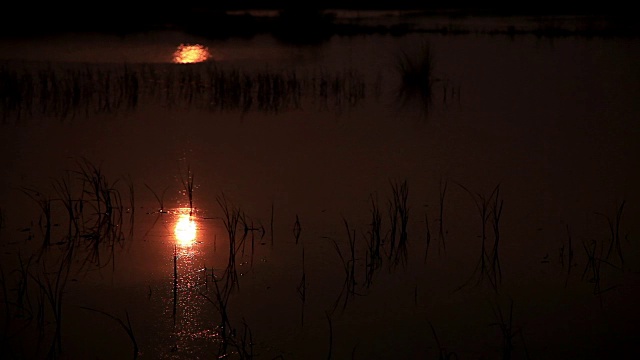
<point x="615" y="236"/>
<point x="231" y="220"/>
<point x="417" y="78"/>
<point x="230" y="342"/>
<point x="417" y="70"/>
<point x="302" y="288"/>
<point x="602" y="251"/>
<point x="508" y="332"/>
<point x="399" y="218"/>
<point x="374" y="243"/>
<point x="348" y="264"/>
<point x="490" y="212"/>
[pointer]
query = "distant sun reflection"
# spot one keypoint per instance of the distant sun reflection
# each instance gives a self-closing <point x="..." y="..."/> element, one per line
<point x="185" y="230"/>
<point x="187" y="54"/>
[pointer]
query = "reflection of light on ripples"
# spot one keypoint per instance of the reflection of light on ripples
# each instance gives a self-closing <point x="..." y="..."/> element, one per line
<point x="190" y="316"/>
<point x="185" y="230"/>
<point x="186" y="54"/>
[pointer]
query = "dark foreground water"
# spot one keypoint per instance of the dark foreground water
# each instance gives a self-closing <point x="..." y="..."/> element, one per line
<point x="331" y="214"/>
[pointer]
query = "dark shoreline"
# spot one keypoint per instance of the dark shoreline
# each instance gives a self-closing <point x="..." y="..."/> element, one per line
<point x="308" y="26"/>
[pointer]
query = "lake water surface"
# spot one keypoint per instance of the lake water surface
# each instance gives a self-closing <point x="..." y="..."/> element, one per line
<point x="289" y="154"/>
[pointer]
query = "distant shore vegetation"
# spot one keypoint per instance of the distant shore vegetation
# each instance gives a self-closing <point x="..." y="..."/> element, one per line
<point x="303" y="24"/>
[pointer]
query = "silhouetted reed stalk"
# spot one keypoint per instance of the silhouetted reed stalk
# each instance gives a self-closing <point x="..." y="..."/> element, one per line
<point x="52" y="285"/>
<point x="443" y="353"/>
<point x="496" y="213"/>
<point x="569" y="256"/>
<point x="20" y="308"/>
<point x="187" y="183"/>
<point x="352" y="262"/>
<point x="330" y="352"/>
<point x="249" y="227"/>
<point x="592" y="268"/>
<point x="125" y="326"/>
<point x="297" y="229"/>
<point x="44" y="221"/>
<point x="348" y="287"/>
<point x="428" y="236"/>
<point x="65" y="195"/>
<point x="74" y="207"/>
<point x="104" y="199"/>
<point x="93" y="211"/>
<point x="175" y="283"/>
<point x="508" y="333"/>
<point x="63" y="91"/>
<point x="374" y="260"/>
<point x="245" y="232"/>
<point x="104" y="224"/>
<point x="614" y="230"/>
<point x="399" y="211"/>
<point x="227" y="333"/>
<point x="5" y="299"/>
<point x="244" y="347"/>
<point x="441" y="232"/>
<point x="132" y="205"/>
<point x="271" y="224"/>
<point x="160" y="198"/>
<point x="392" y="215"/>
<point x="253" y="243"/>
<point x="22" y="287"/>
<point x="231" y="219"/>
<point x="398" y="215"/>
<point x="596" y="254"/>
<point x="302" y="289"/>
<point x="489" y="208"/>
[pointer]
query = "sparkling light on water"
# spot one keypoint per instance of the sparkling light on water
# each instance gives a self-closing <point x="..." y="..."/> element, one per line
<point x="185" y="230"/>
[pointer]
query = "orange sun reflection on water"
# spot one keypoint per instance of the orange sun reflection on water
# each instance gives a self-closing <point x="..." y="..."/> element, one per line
<point x="185" y="230"/>
<point x="188" y="54"/>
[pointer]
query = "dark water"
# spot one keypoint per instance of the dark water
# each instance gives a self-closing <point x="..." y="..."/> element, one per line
<point x="545" y="130"/>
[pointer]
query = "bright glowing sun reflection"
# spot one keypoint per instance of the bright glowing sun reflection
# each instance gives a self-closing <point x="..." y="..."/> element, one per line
<point x="185" y="230"/>
<point x="187" y="54"/>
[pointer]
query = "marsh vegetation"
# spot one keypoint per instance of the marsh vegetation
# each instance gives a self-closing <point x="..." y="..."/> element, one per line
<point x="156" y="210"/>
<point x="80" y="228"/>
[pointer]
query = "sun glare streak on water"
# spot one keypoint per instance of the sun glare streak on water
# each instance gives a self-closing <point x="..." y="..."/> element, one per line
<point x="187" y="54"/>
<point x="185" y="230"/>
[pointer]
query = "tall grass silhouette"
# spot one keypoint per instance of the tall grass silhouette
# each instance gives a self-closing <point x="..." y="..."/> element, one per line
<point x="89" y="208"/>
<point x="66" y="91"/>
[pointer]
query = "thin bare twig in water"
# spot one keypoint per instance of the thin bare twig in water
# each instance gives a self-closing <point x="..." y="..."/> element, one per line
<point x="127" y="327"/>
